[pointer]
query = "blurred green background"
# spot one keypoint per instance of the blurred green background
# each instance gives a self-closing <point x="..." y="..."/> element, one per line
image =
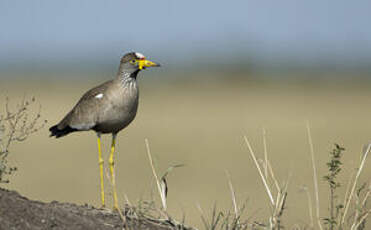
<point x="228" y="69"/>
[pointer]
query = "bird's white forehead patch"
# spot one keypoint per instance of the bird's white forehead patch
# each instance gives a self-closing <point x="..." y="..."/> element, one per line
<point x="99" y="96"/>
<point x="139" y="55"/>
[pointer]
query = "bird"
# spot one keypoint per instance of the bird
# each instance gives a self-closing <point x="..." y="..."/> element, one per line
<point x="107" y="109"/>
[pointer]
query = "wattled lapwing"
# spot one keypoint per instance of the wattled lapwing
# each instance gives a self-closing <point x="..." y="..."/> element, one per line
<point x="107" y="108"/>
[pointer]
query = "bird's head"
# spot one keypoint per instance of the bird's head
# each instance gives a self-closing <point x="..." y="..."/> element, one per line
<point x="135" y="61"/>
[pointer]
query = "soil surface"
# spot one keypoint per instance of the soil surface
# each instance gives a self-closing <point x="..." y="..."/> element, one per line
<point x="20" y="213"/>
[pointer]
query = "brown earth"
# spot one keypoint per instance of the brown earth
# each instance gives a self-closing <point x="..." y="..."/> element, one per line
<point x="18" y="212"/>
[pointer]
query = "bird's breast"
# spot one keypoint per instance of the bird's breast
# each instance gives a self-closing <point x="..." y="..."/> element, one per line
<point x="122" y="109"/>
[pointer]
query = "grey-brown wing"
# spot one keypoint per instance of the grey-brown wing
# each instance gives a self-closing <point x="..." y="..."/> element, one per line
<point x="85" y="113"/>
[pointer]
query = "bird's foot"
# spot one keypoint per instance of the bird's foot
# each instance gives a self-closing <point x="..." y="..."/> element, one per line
<point x="115" y="208"/>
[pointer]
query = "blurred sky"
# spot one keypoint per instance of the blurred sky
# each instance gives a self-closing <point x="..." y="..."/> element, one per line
<point x="178" y="31"/>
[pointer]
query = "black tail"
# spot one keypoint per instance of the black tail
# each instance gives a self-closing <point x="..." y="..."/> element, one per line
<point x="54" y="131"/>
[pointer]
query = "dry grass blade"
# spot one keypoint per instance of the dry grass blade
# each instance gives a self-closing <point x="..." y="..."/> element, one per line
<point x="367" y="195"/>
<point x="127" y="199"/>
<point x="363" y="160"/>
<point x="260" y="171"/>
<point x="315" y="181"/>
<point x="275" y="219"/>
<point x="265" y="153"/>
<point x="273" y="176"/>
<point x="171" y="168"/>
<point x="163" y="182"/>
<point x="310" y="208"/>
<point x="233" y="194"/>
<point x="361" y="212"/>
<point x="203" y="217"/>
<point x="347" y="191"/>
<point x="361" y="220"/>
<point x="160" y="190"/>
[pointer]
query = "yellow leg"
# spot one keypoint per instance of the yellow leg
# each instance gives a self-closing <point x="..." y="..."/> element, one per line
<point x="111" y="162"/>
<point x="101" y="161"/>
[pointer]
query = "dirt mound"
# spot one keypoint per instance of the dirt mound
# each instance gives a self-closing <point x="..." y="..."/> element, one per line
<point x="20" y="213"/>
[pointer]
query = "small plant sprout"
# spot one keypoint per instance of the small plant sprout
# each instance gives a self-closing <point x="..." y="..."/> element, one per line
<point x="334" y="168"/>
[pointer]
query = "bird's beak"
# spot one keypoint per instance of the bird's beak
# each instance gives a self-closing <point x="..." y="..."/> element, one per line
<point x="143" y="63"/>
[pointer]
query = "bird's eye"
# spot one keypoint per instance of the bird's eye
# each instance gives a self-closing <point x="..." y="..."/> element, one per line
<point x="132" y="61"/>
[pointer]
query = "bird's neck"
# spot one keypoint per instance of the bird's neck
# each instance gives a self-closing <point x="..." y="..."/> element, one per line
<point x="127" y="78"/>
<point x="127" y="74"/>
